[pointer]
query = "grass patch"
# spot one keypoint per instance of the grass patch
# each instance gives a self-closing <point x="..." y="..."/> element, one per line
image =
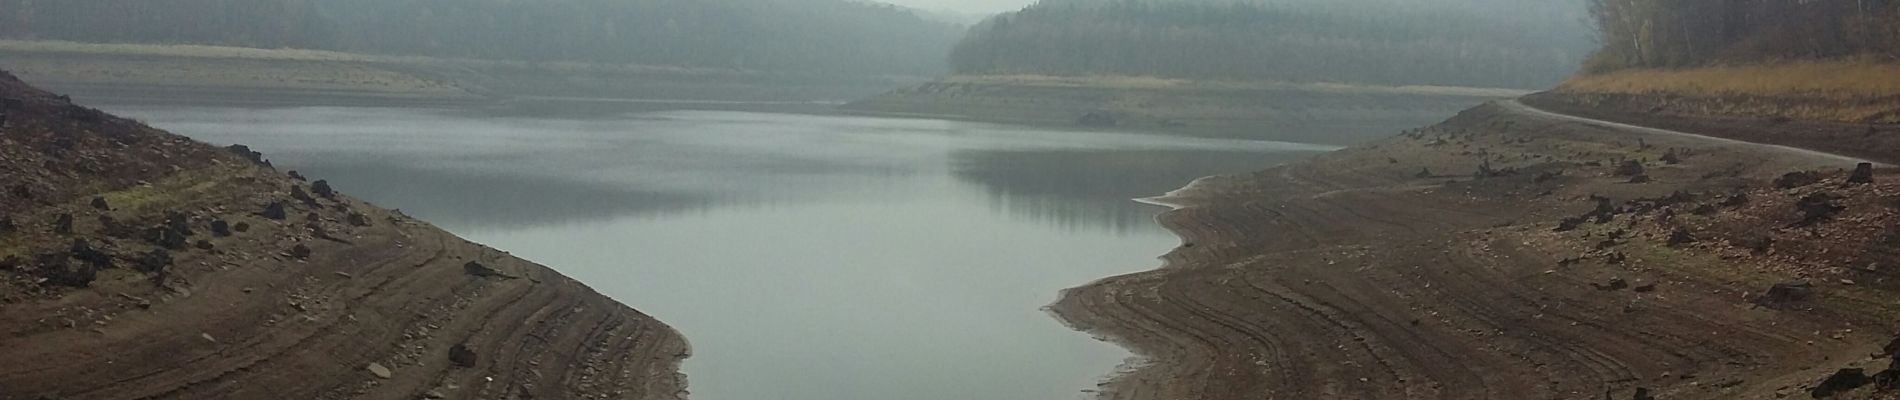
<point x="1843" y="79"/>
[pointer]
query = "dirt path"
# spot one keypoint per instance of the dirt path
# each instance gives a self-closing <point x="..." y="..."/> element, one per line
<point x="1519" y="107"/>
<point x="1434" y="265"/>
<point x="136" y="264"/>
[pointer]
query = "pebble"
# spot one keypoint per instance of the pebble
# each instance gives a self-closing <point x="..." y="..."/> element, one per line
<point x="379" y="370"/>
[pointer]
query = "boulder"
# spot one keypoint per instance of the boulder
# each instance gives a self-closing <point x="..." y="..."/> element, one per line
<point x="1844" y="380"/>
<point x="100" y="204"/>
<point x="297" y="176"/>
<point x="300" y="251"/>
<point x="358" y="219"/>
<point x="1782" y="294"/>
<point x="380" y="371"/>
<point x="1681" y="237"/>
<point x="322" y="189"/>
<point x="7" y="225"/>
<point x="477" y="269"/>
<point x="274" y="210"/>
<point x="21" y="191"/>
<point x="154" y="261"/>
<point x="58" y="272"/>
<point x="461" y="356"/>
<point x="1863" y="174"/>
<point x="1629" y="168"/>
<point x="82" y="250"/>
<point x="220" y="228"/>
<point x="297" y="192"/>
<point x="1797" y="179"/>
<point x="1818" y="207"/>
<point x="1613" y="285"/>
<point x="241" y="227"/>
<point x="1671" y="158"/>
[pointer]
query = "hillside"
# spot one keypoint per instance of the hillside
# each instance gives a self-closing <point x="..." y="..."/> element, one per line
<point x="839" y="37"/>
<point x="1450" y="43"/>
<point x="139" y="264"/>
<point x="1509" y="253"/>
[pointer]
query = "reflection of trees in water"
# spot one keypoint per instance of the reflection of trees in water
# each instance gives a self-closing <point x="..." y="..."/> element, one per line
<point x="474" y="200"/>
<point x="1080" y="189"/>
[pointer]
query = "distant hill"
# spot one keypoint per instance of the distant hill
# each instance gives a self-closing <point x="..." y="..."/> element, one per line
<point x="1688" y="33"/>
<point x="1495" y="43"/>
<point x="821" y="36"/>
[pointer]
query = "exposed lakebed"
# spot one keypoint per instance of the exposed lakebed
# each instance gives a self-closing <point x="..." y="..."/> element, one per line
<point x="806" y="257"/>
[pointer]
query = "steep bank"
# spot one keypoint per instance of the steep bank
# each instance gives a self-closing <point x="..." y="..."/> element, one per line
<point x="139" y="264"/>
<point x="1508" y="254"/>
<point x="1317" y="113"/>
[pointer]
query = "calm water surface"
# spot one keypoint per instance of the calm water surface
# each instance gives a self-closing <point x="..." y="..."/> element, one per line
<point x="805" y="257"/>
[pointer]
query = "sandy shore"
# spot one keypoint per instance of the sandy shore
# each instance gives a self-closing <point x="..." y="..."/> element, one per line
<point x="1401" y="270"/>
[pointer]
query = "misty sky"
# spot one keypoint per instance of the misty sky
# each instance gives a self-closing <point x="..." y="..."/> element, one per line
<point x="965" y="6"/>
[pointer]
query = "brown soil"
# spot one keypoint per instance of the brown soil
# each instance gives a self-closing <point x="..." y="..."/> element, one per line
<point x="1432" y="265"/>
<point x="157" y="304"/>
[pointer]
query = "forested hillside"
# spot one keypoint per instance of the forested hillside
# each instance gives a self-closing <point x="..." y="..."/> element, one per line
<point x="1678" y="33"/>
<point x="1451" y="42"/>
<point x="828" y="36"/>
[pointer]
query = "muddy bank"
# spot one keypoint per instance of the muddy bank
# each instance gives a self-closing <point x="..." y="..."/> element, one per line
<point x="139" y="264"/>
<point x="1330" y="114"/>
<point x="1506" y="255"/>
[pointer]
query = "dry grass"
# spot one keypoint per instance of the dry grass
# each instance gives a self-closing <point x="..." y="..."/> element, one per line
<point x="1842" y="79"/>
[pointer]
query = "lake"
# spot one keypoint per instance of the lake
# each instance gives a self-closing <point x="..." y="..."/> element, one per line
<point x="806" y="257"/>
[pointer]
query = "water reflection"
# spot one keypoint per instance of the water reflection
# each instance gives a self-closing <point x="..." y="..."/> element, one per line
<point x="1079" y="189"/>
<point x="806" y="257"/>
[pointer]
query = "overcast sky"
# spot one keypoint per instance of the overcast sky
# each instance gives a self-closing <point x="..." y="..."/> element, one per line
<point x="965" y="6"/>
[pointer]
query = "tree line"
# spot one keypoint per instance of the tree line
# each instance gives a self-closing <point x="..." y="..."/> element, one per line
<point x="820" y="36"/>
<point x="1450" y="42"/>
<point x="1680" y="33"/>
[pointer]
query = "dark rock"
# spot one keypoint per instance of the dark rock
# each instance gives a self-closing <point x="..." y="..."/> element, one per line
<point x="296" y="192"/>
<point x="1705" y="210"/>
<point x="477" y="269"/>
<point x="274" y="210"/>
<point x="59" y="272"/>
<point x="297" y="176"/>
<point x="1548" y="176"/>
<point x="21" y="191"/>
<point x="1642" y="394"/>
<point x="1785" y="293"/>
<point x="100" y="203"/>
<point x="111" y="227"/>
<point x="246" y="153"/>
<point x="166" y="238"/>
<point x="220" y="228"/>
<point x="461" y="356"/>
<point x="205" y="245"/>
<point x="63" y="224"/>
<point x="11" y="263"/>
<point x="1797" y="179"/>
<point x="154" y="261"/>
<point x="322" y="189"/>
<point x="1629" y="168"/>
<point x="1863" y="174"/>
<point x="1681" y="237"/>
<point x="358" y="219"/>
<point x="7" y="225"/>
<point x="1571" y="224"/>
<point x="1842" y="381"/>
<point x="1671" y="158"/>
<point x="1613" y="285"/>
<point x="241" y="227"/>
<point x="1739" y="199"/>
<point x="300" y="251"/>
<point x="1639" y="179"/>
<point x="82" y="250"/>
<point x="178" y="222"/>
<point x="1758" y="242"/>
<point x="1817" y="207"/>
<point x="1423" y="173"/>
<point x="1645" y="288"/>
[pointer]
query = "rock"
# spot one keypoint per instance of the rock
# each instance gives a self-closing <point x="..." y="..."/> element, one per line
<point x="1739" y="199"/>
<point x="296" y="192"/>
<point x="59" y="272"/>
<point x="220" y="228"/>
<point x="380" y="371"/>
<point x="1671" y="158"/>
<point x="246" y="153"/>
<point x="7" y="226"/>
<point x="83" y="251"/>
<point x="241" y="227"/>
<point x="63" y="224"/>
<point x="166" y="238"/>
<point x="322" y="189"/>
<point x="1642" y="394"/>
<point x="461" y="356"/>
<point x="1423" y="173"/>
<point x="434" y="394"/>
<point x="21" y="191"/>
<point x="297" y="176"/>
<point x="1863" y="174"/>
<point x="274" y="210"/>
<point x="206" y="245"/>
<point x="100" y="203"/>
<point x="1639" y="179"/>
<point x="300" y="251"/>
<point x="1797" y="179"/>
<point x="477" y="269"/>
<point x="1785" y="293"/>
<point x="1681" y="237"/>
<point x="1613" y="285"/>
<point x="1629" y="168"/>
<point x="358" y="219"/>
<point x="154" y="261"/>
<point x="1844" y="380"/>
<point x="1818" y="207"/>
<point x="1645" y="288"/>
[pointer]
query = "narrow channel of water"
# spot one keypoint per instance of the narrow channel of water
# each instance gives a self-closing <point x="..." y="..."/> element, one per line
<point x="805" y="257"/>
